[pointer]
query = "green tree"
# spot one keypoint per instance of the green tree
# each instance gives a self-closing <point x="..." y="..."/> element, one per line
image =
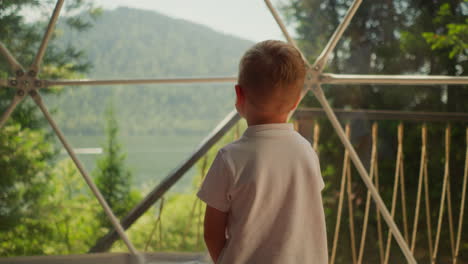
<point x="113" y="179"/>
<point x="26" y="151"/>
<point x="455" y="36"/>
<point x="24" y="187"/>
<point x="71" y="210"/>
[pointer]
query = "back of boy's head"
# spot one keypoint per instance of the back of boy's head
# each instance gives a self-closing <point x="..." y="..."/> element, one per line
<point x="272" y="75"/>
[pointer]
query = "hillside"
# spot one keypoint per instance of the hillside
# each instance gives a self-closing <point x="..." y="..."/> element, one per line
<point x="132" y="43"/>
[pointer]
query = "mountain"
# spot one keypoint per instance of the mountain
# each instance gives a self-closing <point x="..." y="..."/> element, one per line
<point x="127" y="43"/>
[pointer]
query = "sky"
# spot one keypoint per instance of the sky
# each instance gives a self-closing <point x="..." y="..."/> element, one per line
<point x="248" y="19"/>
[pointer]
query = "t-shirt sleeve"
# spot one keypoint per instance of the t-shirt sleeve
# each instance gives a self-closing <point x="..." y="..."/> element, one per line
<point x="215" y="188"/>
<point x="318" y="173"/>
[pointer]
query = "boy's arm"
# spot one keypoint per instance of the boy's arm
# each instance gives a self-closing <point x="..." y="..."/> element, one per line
<point x="215" y="231"/>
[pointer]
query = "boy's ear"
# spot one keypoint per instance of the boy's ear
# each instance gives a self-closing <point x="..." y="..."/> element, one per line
<point x="240" y="96"/>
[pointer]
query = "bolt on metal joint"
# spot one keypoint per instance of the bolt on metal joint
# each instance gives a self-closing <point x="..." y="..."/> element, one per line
<point x="32" y="73"/>
<point x="13" y="82"/>
<point x="19" y="73"/>
<point x="20" y="93"/>
<point x="38" y="83"/>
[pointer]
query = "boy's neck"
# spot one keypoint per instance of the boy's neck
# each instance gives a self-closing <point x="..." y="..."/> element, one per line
<point x="263" y="120"/>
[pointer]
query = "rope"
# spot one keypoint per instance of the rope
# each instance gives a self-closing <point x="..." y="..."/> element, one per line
<point x="445" y="188"/>
<point x="449" y="211"/>
<point x="189" y="224"/>
<point x="428" y="210"/>
<point x="200" y="209"/>
<point x="420" y="183"/>
<point x="200" y="223"/>
<point x="403" y="189"/>
<point x="373" y="166"/>
<point x="462" y="206"/>
<point x="398" y="170"/>
<point x="340" y="201"/>
<point x="316" y="136"/>
<point x="379" y="220"/>
<point x="157" y="226"/>
<point x="161" y="207"/>
<point x="195" y="205"/>
<point x="351" y="214"/>
<point x="423" y="181"/>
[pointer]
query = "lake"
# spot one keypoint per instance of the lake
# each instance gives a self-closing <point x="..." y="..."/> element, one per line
<point x="150" y="158"/>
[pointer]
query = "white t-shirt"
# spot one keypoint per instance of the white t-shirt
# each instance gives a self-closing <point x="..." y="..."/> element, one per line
<point x="269" y="182"/>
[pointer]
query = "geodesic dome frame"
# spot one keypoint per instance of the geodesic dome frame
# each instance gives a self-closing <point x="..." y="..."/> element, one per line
<point x="28" y="83"/>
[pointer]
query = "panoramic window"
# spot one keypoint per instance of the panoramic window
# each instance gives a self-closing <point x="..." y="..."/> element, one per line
<point x="112" y="112"/>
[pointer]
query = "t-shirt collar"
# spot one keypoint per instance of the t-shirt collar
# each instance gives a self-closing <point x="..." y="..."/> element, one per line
<point x="256" y="129"/>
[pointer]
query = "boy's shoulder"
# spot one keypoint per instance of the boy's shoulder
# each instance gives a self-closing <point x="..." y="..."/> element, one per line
<point x="227" y="150"/>
<point x="295" y="142"/>
<point x="234" y="145"/>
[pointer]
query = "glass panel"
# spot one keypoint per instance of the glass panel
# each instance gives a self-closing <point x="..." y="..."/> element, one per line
<point x="50" y="211"/>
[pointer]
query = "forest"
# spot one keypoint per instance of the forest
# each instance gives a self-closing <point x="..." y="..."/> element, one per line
<point x="41" y="192"/>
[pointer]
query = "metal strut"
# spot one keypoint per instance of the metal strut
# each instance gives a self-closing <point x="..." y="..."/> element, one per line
<point x="329" y="78"/>
<point x="322" y="59"/>
<point x="16" y="100"/>
<point x="45" y="40"/>
<point x="141" y="81"/>
<point x="14" y="65"/>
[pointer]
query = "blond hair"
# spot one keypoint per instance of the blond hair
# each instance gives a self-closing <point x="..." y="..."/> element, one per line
<point x="272" y="73"/>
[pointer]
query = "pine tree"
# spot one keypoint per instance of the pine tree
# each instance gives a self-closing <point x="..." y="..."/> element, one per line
<point x="113" y="178"/>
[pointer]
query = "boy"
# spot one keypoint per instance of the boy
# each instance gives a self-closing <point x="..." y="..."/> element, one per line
<point x="263" y="191"/>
